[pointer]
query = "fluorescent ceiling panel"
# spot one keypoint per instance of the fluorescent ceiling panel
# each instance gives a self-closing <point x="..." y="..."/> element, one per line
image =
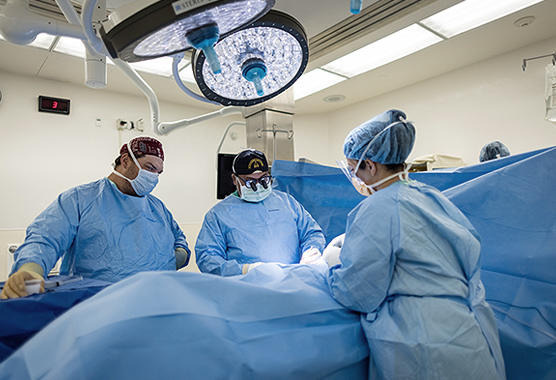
<point x="470" y="14"/>
<point x="43" y="41"/>
<point x="70" y="46"/>
<point x="186" y="73"/>
<point x="159" y="66"/>
<point x="388" y="49"/>
<point x="314" y="81"/>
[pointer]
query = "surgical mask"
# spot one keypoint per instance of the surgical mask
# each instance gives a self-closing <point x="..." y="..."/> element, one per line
<point x="247" y="193"/>
<point x="359" y="184"/>
<point x="145" y="182"/>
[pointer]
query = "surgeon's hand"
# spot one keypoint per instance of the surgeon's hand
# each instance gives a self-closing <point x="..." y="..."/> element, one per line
<point x="15" y="285"/>
<point x="311" y="256"/>
<point x="248" y="267"/>
<point x="181" y="257"/>
<point x="331" y="253"/>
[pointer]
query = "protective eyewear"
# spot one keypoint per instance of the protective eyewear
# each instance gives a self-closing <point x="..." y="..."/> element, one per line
<point x="252" y="183"/>
<point x="346" y="169"/>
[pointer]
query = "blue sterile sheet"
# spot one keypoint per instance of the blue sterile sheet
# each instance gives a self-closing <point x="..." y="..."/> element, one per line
<point x="512" y="204"/>
<point x="21" y="318"/>
<point x="276" y="322"/>
<point x="279" y="322"/>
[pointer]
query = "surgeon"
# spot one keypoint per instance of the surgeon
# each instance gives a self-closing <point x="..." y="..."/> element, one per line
<point x="410" y="263"/>
<point x="256" y="224"/>
<point x="108" y="229"/>
<point x="493" y="150"/>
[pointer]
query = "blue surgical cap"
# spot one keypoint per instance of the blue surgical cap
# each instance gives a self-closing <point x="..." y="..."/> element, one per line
<point x="391" y="147"/>
<point x="493" y="150"/>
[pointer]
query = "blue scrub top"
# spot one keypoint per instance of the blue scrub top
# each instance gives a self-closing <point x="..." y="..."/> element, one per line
<point x="411" y="263"/>
<point x="236" y="232"/>
<point x="102" y="233"/>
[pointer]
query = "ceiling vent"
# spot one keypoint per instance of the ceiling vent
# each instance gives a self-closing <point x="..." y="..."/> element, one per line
<point x="371" y="18"/>
<point x="47" y="8"/>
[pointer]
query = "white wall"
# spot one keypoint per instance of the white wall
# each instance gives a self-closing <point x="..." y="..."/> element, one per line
<point x="42" y="155"/>
<point x="459" y="112"/>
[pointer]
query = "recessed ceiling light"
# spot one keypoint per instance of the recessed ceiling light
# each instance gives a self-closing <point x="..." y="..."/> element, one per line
<point x="524" y="21"/>
<point x="334" y="98"/>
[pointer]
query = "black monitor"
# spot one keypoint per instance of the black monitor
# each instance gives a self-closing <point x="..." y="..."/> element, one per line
<point x="224" y="183"/>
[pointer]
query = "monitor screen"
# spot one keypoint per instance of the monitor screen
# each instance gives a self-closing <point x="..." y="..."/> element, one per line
<point x="224" y="183"/>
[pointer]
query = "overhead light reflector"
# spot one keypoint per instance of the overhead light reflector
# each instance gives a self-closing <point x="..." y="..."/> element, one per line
<point x="470" y="14"/>
<point x="315" y="81"/>
<point x="388" y="49"/>
<point x="258" y="62"/>
<point x="161" y="28"/>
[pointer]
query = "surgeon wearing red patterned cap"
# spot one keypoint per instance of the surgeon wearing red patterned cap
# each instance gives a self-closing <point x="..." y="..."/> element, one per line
<point x="141" y="161"/>
<point x="108" y="229"/>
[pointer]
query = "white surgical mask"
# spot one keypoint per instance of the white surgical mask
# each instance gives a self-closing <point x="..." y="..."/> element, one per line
<point x="145" y="182"/>
<point x="367" y="190"/>
<point x="247" y="194"/>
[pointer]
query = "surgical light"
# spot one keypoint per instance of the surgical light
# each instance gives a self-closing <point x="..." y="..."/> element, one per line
<point x="388" y="49"/>
<point x="470" y="14"/>
<point x="258" y="62"/>
<point x="147" y="29"/>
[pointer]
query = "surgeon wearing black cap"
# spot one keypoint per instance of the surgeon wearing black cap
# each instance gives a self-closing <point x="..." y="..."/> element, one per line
<point x="256" y="224"/>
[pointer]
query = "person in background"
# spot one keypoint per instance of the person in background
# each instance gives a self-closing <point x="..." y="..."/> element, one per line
<point x="256" y="224"/>
<point x="493" y="150"/>
<point x="108" y="229"/>
<point x="410" y="263"/>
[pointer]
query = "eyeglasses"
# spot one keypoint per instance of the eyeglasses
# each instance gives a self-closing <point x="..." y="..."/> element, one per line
<point x="252" y="183"/>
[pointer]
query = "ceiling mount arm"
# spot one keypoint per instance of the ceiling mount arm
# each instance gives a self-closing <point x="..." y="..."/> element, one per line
<point x="87" y="20"/>
<point x="165" y="128"/>
<point x="175" y="71"/>
<point x="145" y="89"/>
<point x="20" y="26"/>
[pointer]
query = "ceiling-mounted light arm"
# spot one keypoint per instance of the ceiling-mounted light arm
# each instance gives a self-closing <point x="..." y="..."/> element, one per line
<point x="73" y="18"/>
<point x="175" y="71"/>
<point x="165" y="128"/>
<point x="87" y="12"/>
<point x="20" y="26"/>
<point x="145" y="89"/>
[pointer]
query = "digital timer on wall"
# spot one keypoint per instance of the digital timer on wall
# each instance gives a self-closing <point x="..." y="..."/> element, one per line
<point x="54" y="105"/>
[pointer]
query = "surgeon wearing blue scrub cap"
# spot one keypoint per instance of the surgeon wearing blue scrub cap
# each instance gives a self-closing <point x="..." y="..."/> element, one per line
<point x="108" y="229"/>
<point x="410" y="263"/>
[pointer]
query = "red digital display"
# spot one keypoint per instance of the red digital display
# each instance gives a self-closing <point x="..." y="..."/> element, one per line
<point x="54" y="105"/>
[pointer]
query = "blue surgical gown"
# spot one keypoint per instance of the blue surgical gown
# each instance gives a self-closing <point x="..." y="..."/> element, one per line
<point x="236" y="232"/>
<point x="102" y="233"/>
<point x="411" y="265"/>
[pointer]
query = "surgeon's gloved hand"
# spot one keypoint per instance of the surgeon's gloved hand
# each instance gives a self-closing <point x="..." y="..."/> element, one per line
<point x="311" y="256"/>
<point x="181" y="257"/>
<point x="15" y="285"/>
<point x="331" y="253"/>
<point x="248" y="267"/>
